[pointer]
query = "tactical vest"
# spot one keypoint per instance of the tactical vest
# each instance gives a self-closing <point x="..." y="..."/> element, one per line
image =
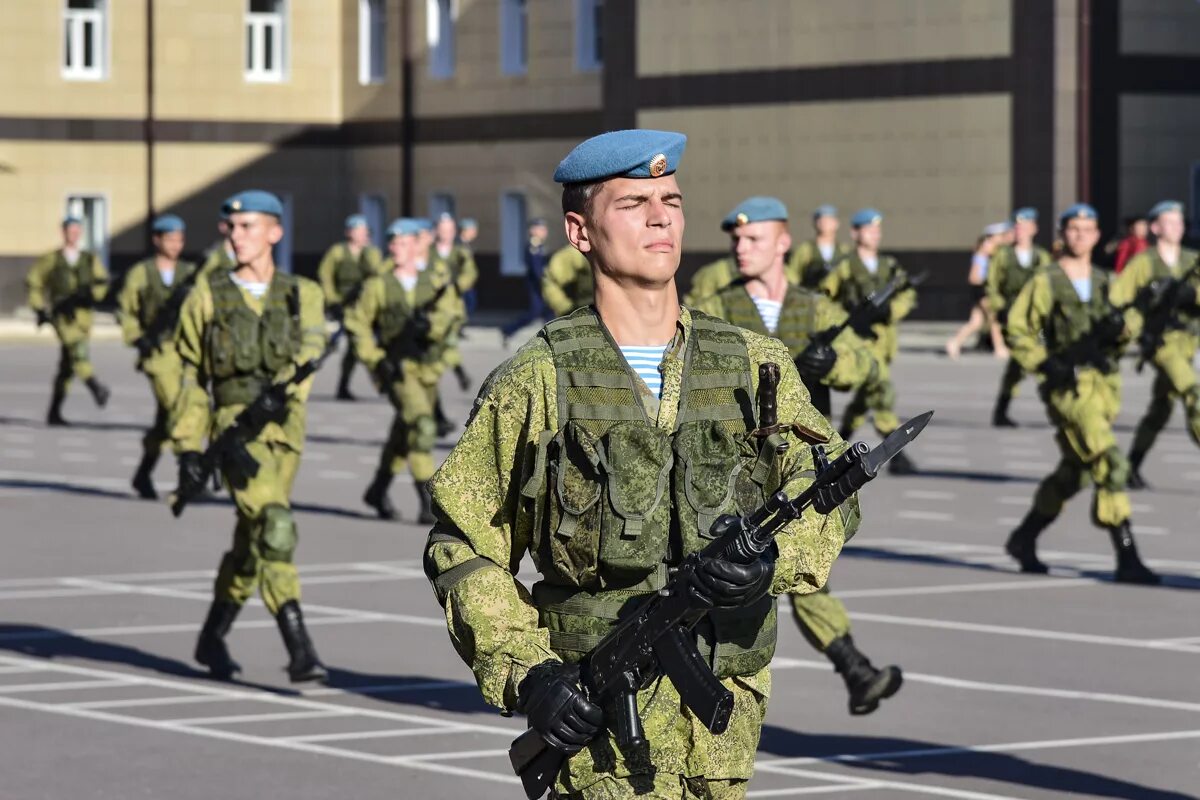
<point x="64" y="280"/>
<point x="797" y="318"/>
<point x="398" y="308"/>
<point x="349" y="272"/>
<point x="1071" y="319"/>
<point x="812" y="273"/>
<point x="1013" y="276"/>
<point x="862" y="283"/>
<point x="155" y="293"/>
<point x="618" y="500"/>
<point x="1159" y="271"/>
<point x="248" y="350"/>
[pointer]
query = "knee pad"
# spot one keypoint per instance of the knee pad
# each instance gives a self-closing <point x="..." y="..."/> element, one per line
<point x="1117" y="470"/>
<point x="79" y="352"/>
<point x="422" y="434"/>
<point x="278" y="538"/>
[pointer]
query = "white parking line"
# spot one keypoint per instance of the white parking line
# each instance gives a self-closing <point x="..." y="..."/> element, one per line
<point x="957" y="588"/>
<point x="63" y="686"/>
<point x="283" y="715"/>
<point x="139" y="702"/>
<point x="917" y="788"/>
<point x="928" y="516"/>
<point x="805" y="790"/>
<point x="383" y="734"/>
<point x="920" y="494"/>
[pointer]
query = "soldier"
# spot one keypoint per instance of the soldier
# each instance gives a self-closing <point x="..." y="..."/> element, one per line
<point x="1063" y="328"/>
<point x="763" y="300"/>
<point x="219" y="254"/>
<point x="854" y="278"/>
<point x="1175" y="349"/>
<point x="447" y="255"/>
<point x="400" y="323"/>
<point x="64" y="286"/>
<point x="342" y="271"/>
<point x="239" y="331"/>
<point x="468" y="232"/>
<point x="1010" y="268"/>
<point x="711" y="278"/>
<point x="567" y="281"/>
<point x="578" y="452"/>
<point x="149" y="304"/>
<point x="811" y="261"/>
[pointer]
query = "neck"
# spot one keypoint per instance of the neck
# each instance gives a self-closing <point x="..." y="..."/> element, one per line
<point x="772" y="284"/>
<point x="354" y="249"/>
<point x="259" y="270"/>
<point x="165" y="262"/>
<point x="1026" y="244"/>
<point x="1168" y="251"/>
<point x="867" y="253"/>
<point x="637" y="315"/>
<point x="1076" y="266"/>
<point x="826" y="238"/>
<point x="407" y="268"/>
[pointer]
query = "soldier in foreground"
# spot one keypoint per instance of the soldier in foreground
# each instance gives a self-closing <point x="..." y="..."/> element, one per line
<point x="567" y="281"/>
<point x="1010" y="268"/>
<point x="763" y="300"/>
<point x="342" y="271"/>
<point x="400" y="324"/>
<point x="1064" y="329"/>
<point x="812" y="260"/>
<point x="240" y="331"/>
<point x="149" y="303"/>
<point x="64" y="286"/>
<point x="578" y="453"/>
<point x="1167" y="326"/>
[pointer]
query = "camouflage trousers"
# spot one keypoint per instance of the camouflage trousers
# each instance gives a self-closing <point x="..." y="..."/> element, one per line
<point x="264" y="541"/>
<point x="1174" y="381"/>
<point x="1010" y="381"/>
<point x="414" y="432"/>
<point x="74" y="361"/>
<point x="165" y="374"/>
<point x="876" y="395"/>
<point x="821" y="617"/>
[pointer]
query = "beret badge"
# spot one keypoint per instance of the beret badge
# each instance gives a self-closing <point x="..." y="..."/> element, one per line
<point x="658" y="165"/>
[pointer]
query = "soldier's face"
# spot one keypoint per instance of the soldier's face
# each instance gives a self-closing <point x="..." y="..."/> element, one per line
<point x="402" y="248"/>
<point x="446" y="230"/>
<point x="826" y="225"/>
<point x="468" y="235"/>
<point x="1169" y="227"/>
<point x="170" y="245"/>
<point x="424" y="241"/>
<point x="1024" y="230"/>
<point x="759" y="246"/>
<point x="253" y="235"/>
<point x="358" y="235"/>
<point x="71" y="234"/>
<point x="635" y="229"/>
<point x="1080" y="236"/>
<point x="869" y="236"/>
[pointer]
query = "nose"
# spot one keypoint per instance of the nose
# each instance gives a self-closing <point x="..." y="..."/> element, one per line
<point x="658" y="216"/>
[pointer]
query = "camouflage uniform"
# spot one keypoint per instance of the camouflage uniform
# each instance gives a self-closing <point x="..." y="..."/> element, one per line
<point x="807" y="267"/>
<point x="459" y="265"/>
<point x="711" y="278"/>
<point x="218" y="258"/>
<point x="1005" y="279"/>
<point x="589" y="480"/>
<point x="567" y="282"/>
<point x="342" y="274"/>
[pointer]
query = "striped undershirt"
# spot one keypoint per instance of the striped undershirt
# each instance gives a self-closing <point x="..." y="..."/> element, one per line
<point x="769" y="311"/>
<point x="645" y="362"/>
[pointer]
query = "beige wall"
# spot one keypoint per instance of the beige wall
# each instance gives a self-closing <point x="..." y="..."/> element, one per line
<point x="682" y="36"/>
<point x="479" y="86"/>
<point x="1066" y="101"/>
<point x="938" y="169"/>
<point x="372" y="101"/>
<point x="1160" y="141"/>
<point x="1160" y="27"/>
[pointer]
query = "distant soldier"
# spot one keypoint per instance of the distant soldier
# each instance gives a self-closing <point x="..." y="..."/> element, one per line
<point x="64" y="286"/>
<point x="457" y="260"/>
<point x="1010" y="268"/>
<point x="567" y="282"/>
<point x="219" y="254"/>
<point x="1171" y="273"/>
<point x="468" y="232"/>
<point x="812" y="260"/>
<point x="342" y="271"/>
<point x="150" y="302"/>
<point x="536" y="258"/>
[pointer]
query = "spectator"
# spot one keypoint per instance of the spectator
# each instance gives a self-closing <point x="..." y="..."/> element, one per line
<point x="1134" y="242"/>
<point x="536" y="257"/>
<point x="993" y="235"/>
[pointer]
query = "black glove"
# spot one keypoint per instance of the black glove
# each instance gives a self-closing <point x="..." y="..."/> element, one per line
<point x="335" y="312"/>
<point x="270" y="406"/>
<point x="718" y="583"/>
<point x="144" y="346"/>
<point x="557" y="708"/>
<point x="43" y="316"/>
<point x="421" y="326"/>
<point x="1108" y="329"/>
<point x="385" y="374"/>
<point x="1185" y="296"/>
<point x="1059" y="373"/>
<point x="191" y="474"/>
<point x="816" y="360"/>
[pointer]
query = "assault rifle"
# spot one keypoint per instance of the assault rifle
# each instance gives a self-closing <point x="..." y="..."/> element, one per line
<point x="414" y="336"/>
<point x="168" y="316"/>
<point x="66" y="307"/>
<point x="1159" y="307"/>
<point x="227" y="452"/>
<point x="656" y="639"/>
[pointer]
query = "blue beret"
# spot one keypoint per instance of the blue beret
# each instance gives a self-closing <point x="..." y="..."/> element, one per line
<point x="755" y="209"/>
<point x="423" y="223"/>
<point x="866" y="216"/>
<point x="254" y="200"/>
<point x="468" y="222"/>
<point x="355" y="221"/>
<point x="404" y="226"/>
<point x="824" y="210"/>
<point x="1026" y="214"/>
<point x="167" y="223"/>
<point x="996" y="228"/>
<point x="1077" y="211"/>
<point x="622" y="154"/>
<point x="1164" y="207"/>
<point x="71" y="219"/>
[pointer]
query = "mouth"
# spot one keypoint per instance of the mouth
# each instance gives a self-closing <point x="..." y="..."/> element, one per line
<point x="665" y="246"/>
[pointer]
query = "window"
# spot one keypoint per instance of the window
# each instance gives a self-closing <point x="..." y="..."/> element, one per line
<point x="514" y="37"/>
<point x="85" y="39"/>
<point x="282" y="252"/>
<point x="266" y="56"/>
<point x="589" y="34"/>
<point x="372" y="33"/>
<point x="374" y="208"/>
<point x="513" y="233"/>
<point x="92" y="209"/>
<point x="441" y="203"/>
<point x="439" y="29"/>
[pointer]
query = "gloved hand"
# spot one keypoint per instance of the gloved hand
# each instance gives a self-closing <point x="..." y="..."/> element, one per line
<point x="1185" y="296"/>
<point x="144" y="346"/>
<point x="191" y="474"/>
<point x="718" y="583"/>
<point x="816" y="360"/>
<point x="43" y="316"/>
<point x="1108" y="329"/>
<point x="557" y="708"/>
<point x="421" y="326"/>
<point x="1059" y="374"/>
<point x="335" y="312"/>
<point x="385" y="374"/>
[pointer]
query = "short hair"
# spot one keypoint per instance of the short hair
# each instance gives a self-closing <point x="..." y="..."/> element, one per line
<point x="577" y="197"/>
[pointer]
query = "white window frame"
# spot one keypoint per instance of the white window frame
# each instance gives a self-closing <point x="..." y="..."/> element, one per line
<point x="442" y="201"/>
<point x="373" y="206"/>
<point x="258" y="25"/>
<point x="95" y="221"/>
<point x="514" y="37"/>
<point x="440" y="34"/>
<point x="372" y="42"/>
<point x="587" y="55"/>
<point x="74" y="20"/>
<point x="514" y="231"/>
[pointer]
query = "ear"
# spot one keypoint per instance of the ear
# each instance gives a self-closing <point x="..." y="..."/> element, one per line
<point x="785" y="242"/>
<point x="275" y="233"/>
<point x="577" y="232"/>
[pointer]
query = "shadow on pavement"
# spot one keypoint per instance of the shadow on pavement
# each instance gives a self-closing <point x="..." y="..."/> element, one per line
<point x="460" y="697"/>
<point x="39" y="641"/>
<point x="27" y="422"/>
<point x="906" y="757"/>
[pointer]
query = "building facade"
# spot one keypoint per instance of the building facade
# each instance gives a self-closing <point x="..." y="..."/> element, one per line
<point x="945" y="114"/>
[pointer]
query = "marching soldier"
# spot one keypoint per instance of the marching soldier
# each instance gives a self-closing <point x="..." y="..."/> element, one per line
<point x="811" y="261"/>
<point x="852" y="280"/>
<point x="577" y="452"/>
<point x="342" y="271"/>
<point x="1064" y="329"/>
<point x="468" y="232"/>
<point x="1175" y="269"/>
<point x="64" y="286"/>
<point x="567" y="281"/>
<point x="239" y="331"/>
<point x="401" y="322"/>
<point x="149" y="302"/>
<point x="711" y="278"/>
<point x="219" y="254"/>
<point x="455" y="259"/>
<point x="763" y="300"/>
<point x="1010" y="269"/>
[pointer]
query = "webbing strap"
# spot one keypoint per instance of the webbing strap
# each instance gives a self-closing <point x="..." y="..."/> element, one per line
<point x="456" y="575"/>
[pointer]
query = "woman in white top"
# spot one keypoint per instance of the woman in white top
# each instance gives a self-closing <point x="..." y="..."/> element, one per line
<point x="980" y="315"/>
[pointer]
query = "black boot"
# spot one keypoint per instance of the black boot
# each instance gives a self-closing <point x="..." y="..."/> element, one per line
<point x="425" y="517"/>
<point x="1136" y="481"/>
<point x="1022" y="542"/>
<point x="1000" y="417"/>
<point x="444" y="426"/>
<point x="464" y="380"/>
<point x="866" y="685"/>
<point x="343" y="388"/>
<point x="377" y="498"/>
<point x="303" y="664"/>
<point x="143" y="484"/>
<point x="54" y="417"/>
<point x="901" y="464"/>
<point x="1130" y="568"/>
<point x="100" y="392"/>
<point x="211" y="650"/>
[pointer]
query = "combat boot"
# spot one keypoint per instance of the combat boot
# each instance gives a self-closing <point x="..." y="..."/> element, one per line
<point x="377" y="498"/>
<point x="1022" y="542"/>
<point x="1136" y="481"/>
<point x="1000" y="417"/>
<point x="143" y="483"/>
<point x="444" y="426"/>
<point x="425" y="517"/>
<point x="54" y="417"/>
<point x="1130" y="568"/>
<point x="866" y="685"/>
<point x="464" y="380"/>
<point x="211" y="650"/>
<point x="901" y="464"/>
<point x="343" y="387"/>
<point x="303" y="663"/>
<point x="100" y="392"/>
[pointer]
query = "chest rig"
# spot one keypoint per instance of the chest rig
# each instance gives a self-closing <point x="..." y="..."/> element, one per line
<point x="797" y="318"/>
<point x="862" y="283"/>
<point x="1072" y="320"/>
<point x="619" y="500"/>
<point x="248" y="350"/>
<point x="349" y="272"/>
<point x="394" y="320"/>
<point x="1160" y="271"/>
<point x="155" y="293"/>
<point x="1014" y="276"/>
<point x="66" y="279"/>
